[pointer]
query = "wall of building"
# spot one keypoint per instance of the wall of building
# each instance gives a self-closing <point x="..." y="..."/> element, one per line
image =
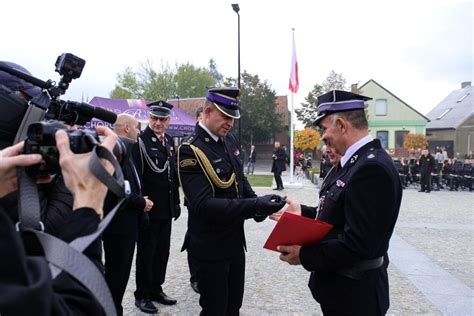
<point x="464" y="142"/>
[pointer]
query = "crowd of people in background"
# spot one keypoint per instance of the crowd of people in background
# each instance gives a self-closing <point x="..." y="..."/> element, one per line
<point x="436" y="172"/>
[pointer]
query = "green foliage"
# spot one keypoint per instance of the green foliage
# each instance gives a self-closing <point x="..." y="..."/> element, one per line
<point x="184" y="81"/>
<point x="308" y="112"/>
<point x="260" y="119"/>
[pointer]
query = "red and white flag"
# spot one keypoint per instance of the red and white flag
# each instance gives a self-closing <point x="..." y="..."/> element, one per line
<point x="294" y="83"/>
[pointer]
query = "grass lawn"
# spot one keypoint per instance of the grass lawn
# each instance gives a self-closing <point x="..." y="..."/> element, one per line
<point x="260" y="180"/>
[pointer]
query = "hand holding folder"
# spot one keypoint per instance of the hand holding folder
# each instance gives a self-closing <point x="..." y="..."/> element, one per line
<point x="293" y="229"/>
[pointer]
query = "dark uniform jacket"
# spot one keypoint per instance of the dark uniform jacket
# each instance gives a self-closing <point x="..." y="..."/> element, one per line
<point x="426" y="164"/>
<point x="216" y="214"/>
<point x="161" y="188"/>
<point x="278" y="164"/>
<point x="362" y="201"/>
<point x="125" y="221"/>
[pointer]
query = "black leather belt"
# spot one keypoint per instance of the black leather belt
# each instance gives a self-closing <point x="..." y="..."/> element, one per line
<point x="356" y="271"/>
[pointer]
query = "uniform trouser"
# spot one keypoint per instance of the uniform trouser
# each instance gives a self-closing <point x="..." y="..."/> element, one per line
<point x="118" y="252"/>
<point x="277" y="175"/>
<point x="153" y="250"/>
<point x="221" y="284"/>
<point x="425" y="181"/>
<point x="193" y="267"/>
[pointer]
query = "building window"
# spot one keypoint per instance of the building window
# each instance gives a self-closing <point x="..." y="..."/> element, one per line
<point x="380" y="107"/>
<point x="383" y="137"/>
<point x="400" y="138"/>
<point x="443" y="114"/>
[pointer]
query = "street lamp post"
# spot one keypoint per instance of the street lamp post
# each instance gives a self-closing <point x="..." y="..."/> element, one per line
<point x="236" y="8"/>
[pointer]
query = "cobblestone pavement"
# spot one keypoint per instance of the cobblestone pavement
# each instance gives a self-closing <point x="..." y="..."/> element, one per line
<point x="437" y="225"/>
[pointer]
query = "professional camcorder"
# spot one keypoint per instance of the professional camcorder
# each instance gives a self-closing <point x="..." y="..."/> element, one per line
<point x="41" y="114"/>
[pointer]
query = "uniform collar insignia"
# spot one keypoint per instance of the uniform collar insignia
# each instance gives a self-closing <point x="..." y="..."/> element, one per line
<point x="340" y="184"/>
<point x="236" y="152"/>
<point x="153" y="139"/>
<point x="206" y="139"/>
<point x="354" y="159"/>
<point x="371" y="156"/>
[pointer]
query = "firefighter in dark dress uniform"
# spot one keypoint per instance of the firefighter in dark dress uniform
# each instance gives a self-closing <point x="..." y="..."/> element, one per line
<point x="361" y="199"/>
<point x="219" y="199"/>
<point x="155" y="160"/>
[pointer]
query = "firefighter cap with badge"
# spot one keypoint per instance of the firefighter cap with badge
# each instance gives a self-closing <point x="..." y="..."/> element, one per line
<point x="339" y="101"/>
<point x="226" y="100"/>
<point x="160" y="109"/>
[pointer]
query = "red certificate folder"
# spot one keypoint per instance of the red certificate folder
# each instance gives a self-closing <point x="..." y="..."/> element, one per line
<point x="293" y="229"/>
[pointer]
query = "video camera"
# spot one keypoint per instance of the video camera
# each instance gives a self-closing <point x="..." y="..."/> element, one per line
<point x="45" y="113"/>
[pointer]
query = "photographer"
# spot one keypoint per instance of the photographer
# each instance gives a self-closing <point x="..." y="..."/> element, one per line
<point x="25" y="280"/>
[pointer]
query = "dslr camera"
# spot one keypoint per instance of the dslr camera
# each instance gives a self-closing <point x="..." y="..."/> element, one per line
<point x="45" y="113"/>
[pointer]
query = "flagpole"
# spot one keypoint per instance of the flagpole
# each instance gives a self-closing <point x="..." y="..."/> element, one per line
<point x="291" y="139"/>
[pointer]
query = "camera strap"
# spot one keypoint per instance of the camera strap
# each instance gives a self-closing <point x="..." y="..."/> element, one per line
<point x="69" y="257"/>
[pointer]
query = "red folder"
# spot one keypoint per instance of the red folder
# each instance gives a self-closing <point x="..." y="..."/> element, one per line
<point x="293" y="229"/>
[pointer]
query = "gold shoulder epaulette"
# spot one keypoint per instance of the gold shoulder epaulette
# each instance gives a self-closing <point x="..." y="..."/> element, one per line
<point x="209" y="170"/>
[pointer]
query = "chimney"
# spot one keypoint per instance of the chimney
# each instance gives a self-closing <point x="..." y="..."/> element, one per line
<point x="465" y="84"/>
<point x="354" y="88"/>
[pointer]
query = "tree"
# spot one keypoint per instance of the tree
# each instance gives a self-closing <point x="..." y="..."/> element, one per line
<point x="415" y="141"/>
<point x="307" y="139"/>
<point x="260" y="119"/>
<point x="184" y="80"/>
<point x="309" y="110"/>
<point x="214" y="73"/>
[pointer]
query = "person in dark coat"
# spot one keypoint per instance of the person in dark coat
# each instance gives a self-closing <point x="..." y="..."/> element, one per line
<point x="426" y="163"/>
<point x="219" y="199"/>
<point x="155" y="160"/>
<point x="361" y="200"/>
<point x="278" y="165"/>
<point x="325" y="164"/>
<point x="26" y="282"/>
<point x="120" y="236"/>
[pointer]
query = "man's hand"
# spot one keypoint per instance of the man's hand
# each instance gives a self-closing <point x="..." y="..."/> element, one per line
<point x="87" y="190"/>
<point x="290" y="254"/>
<point x="148" y="204"/>
<point x="293" y="208"/>
<point x="10" y="158"/>
<point x="269" y="204"/>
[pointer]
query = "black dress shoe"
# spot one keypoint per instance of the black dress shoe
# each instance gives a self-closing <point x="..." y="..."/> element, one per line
<point x="281" y="188"/>
<point x="164" y="299"/>
<point x="276" y="188"/>
<point x="194" y="286"/>
<point x="421" y="191"/>
<point x="146" y="306"/>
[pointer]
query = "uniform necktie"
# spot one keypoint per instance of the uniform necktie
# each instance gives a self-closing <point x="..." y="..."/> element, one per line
<point x="162" y="139"/>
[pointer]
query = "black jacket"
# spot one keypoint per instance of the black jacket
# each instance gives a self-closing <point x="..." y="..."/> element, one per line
<point x="426" y="164"/>
<point x="161" y="188"/>
<point x="362" y="201"/>
<point x="253" y="156"/>
<point x="279" y="164"/>
<point x="125" y="221"/>
<point x="216" y="214"/>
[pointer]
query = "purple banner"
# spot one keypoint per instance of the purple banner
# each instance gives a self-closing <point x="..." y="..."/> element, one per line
<point x="181" y="122"/>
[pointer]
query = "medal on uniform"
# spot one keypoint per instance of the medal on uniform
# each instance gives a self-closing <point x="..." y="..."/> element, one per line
<point x="153" y="139"/>
<point x="340" y="184"/>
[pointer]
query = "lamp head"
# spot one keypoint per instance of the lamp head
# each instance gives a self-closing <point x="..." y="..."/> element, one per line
<point x="236" y="7"/>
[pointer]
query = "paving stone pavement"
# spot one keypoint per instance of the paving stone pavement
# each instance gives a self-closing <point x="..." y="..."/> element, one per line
<point x="437" y="226"/>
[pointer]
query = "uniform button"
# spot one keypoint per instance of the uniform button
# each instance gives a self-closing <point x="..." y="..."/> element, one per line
<point x="332" y="194"/>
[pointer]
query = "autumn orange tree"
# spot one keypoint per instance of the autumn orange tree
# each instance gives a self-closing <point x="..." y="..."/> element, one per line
<point x="307" y="139"/>
<point x="415" y="141"/>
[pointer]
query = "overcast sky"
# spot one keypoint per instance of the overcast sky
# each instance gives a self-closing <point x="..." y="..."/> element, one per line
<point x="419" y="50"/>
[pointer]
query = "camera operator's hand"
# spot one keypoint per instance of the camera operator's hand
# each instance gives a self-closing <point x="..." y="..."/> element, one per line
<point x="269" y="204"/>
<point x="87" y="190"/>
<point x="10" y="158"/>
